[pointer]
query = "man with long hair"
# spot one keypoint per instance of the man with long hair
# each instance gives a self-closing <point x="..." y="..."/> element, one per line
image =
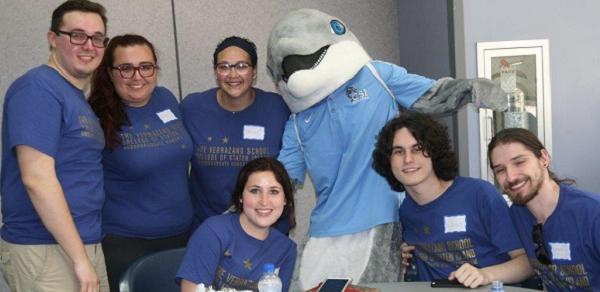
<point x="559" y="225"/>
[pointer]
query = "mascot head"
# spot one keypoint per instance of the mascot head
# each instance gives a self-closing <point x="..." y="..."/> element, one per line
<point x="310" y="55"/>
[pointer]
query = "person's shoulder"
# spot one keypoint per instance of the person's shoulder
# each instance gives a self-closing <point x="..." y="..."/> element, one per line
<point x="385" y="68"/>
<point x="38" y="82"/>
<point x="518" y="209"/>
<point x="519" y="213"/>
<point x="196" y="99"/>
<point x="472" y="180"/>
<point x="271" y="98"/>
<point x="219" y="220"/>
<point x="281" y="238"/>
<point x="580" y="198"/>
<point x="199" y="96"/>
<point x="164" y="95"/>
<point x="479" y="190"/>
<point x="39" y="76"/>
<point x="409" y="206"/>
<point x="475" y="184"/>
<point x="219" y="225"/>
<point x="260" y="93"/>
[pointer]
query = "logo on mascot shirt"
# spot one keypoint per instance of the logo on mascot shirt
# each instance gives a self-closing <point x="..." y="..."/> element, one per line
<point x="355" y="95"/>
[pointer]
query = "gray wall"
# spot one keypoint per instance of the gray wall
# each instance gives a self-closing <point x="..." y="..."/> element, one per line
<point x="23" y="29"/>
<point x="574" y="61"/>
<point x="424" y="38"/>
<point x="199" y="33"/>
<point x="200" y="26"/>
<point x="428" y="50"/>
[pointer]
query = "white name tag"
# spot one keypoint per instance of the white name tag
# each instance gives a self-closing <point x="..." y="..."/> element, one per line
<point x="254" y="132"/>
<point x="455" y="223"/>
<point x="560" y="250"/>
<point x="166" y="116"/>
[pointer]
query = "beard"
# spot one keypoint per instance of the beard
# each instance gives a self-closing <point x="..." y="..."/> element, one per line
<point x="524" y="198"/>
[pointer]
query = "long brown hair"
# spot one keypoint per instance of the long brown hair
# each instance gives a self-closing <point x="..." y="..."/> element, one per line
<point x="104" y="99"/>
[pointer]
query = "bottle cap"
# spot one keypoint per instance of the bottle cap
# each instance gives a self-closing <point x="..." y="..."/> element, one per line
<point x="268" y="268"/>
<point x="497" y="285"/>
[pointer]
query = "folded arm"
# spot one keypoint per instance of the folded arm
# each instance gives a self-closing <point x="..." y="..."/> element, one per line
<point x="515" y="270"/>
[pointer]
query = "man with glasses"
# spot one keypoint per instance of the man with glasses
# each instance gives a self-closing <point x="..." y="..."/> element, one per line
<point x="51" y="182"/>
<point x="559" y="225"/>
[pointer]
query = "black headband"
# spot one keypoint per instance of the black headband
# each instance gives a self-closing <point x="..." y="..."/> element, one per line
<point x="239" y="42"/>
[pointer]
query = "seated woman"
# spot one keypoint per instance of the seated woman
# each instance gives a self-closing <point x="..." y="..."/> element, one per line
<point x="148" y="206"/>
<point x="230" y="250"/>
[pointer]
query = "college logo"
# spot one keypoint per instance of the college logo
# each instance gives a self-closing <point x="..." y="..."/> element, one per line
<point x="355" y="95"/>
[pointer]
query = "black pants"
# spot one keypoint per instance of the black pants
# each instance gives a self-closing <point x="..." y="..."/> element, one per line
<point x="120" y="251"/>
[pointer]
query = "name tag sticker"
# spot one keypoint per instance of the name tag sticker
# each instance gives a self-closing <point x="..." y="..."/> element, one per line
<point x="166" y="116"/>
<point x="254" y="132"/>
<point x="455" y="223"/>
<point x="560" y="250"/>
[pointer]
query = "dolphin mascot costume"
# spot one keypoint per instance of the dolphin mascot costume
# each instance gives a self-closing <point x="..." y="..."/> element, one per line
<point x="340" y="99"/>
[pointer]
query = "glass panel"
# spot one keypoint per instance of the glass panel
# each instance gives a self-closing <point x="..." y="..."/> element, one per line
<point x="517" y="76"/>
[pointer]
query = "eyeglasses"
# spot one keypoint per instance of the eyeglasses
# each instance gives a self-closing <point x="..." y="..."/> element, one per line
<point x="541" y="253"/>
<point x="80" y="38"/>
<point x="240" y="67"/>
<point x="128" y="70"/>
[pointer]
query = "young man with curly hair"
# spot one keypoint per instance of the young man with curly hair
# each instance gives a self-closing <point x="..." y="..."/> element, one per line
<point x="456" y="227"/>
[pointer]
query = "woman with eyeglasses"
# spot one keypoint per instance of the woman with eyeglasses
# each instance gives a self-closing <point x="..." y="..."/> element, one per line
<point x="230" y="125"/>
<point x="148" y="205"/>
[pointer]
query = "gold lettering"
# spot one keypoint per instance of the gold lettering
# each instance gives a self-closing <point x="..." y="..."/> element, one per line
<point x="439" y="247"/>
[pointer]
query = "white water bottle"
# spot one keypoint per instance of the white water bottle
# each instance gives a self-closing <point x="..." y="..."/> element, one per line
<point x="269" y="281"/>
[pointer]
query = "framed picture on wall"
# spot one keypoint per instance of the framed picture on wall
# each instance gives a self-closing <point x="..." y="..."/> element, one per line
<point x="521" y="68"/>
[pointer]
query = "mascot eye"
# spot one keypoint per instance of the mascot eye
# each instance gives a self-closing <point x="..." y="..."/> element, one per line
<point x="337" y="27"/>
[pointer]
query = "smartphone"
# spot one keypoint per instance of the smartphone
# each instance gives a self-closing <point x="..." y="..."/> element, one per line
<point x="335" y="285"/>
<point x="445" y="283"/>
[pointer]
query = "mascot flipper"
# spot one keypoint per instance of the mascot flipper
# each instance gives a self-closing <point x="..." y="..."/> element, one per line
<point x="340" y="98"/>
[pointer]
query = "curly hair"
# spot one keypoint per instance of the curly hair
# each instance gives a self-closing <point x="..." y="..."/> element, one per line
<point x="282" y="177"/>
<point x="527" y="139"/>
<point x="104" y="99"/>
<point x="431" y="135"/>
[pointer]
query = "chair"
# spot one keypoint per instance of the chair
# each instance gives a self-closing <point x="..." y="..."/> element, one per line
<point x="153" y="272"/>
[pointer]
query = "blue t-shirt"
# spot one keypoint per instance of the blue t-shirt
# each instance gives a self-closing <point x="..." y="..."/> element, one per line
<point x="469" y="223"/>
<point x="338" y="137"/>
<point x="572" y="239"/>
<point x="147" y="192"/>
<point x="46" y="112"/>
<point x="224" y="141"/>
<point x="222" y="254"/>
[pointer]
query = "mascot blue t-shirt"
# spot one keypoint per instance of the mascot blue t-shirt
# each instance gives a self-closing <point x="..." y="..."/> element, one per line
<point x="335" y="140"/>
